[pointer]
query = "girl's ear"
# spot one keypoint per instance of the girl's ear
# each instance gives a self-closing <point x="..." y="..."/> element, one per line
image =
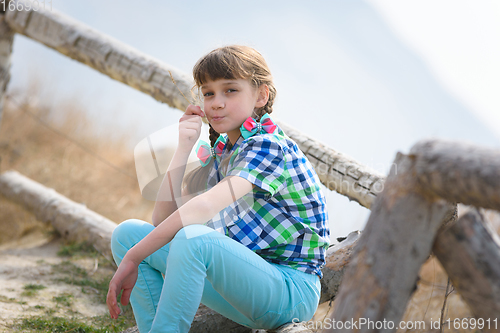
<point x="263" y="95"/>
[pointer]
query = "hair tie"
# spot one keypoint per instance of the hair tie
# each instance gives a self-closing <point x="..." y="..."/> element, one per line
<point x="205" y="152"/>
<point x="251" y="127"/>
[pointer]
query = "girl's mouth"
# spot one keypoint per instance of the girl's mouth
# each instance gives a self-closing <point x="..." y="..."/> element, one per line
<point x="217" y="118"/>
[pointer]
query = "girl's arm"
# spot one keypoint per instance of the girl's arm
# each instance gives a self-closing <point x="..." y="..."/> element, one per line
<point x="198" y="210"/>
<point x="169" y="196"/>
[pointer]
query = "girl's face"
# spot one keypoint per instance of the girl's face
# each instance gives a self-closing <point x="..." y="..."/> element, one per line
<point x="228" y="103"/>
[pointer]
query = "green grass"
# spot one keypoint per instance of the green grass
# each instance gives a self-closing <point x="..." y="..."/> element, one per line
<point x="32" y="289"/>
<point x="63" y="325"/>
<point x="73" y="249"/>
<point x="77" y="276"/>
<point x="61" y="317"/>
<point x="6" y="299"/>
<point x="65" y="299"/>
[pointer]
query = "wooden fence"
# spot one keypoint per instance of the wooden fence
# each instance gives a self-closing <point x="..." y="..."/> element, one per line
<point x="411" y="217"/>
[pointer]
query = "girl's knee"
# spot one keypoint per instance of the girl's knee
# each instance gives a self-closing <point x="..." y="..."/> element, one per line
<point x="193" y="231"/>
<point x="127" y="232"/>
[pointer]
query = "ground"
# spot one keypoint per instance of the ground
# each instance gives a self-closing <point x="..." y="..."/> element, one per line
<point x="43" y="279"/>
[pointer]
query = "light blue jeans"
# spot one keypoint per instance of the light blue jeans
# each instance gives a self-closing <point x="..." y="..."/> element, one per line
<point x="202" y="265"/>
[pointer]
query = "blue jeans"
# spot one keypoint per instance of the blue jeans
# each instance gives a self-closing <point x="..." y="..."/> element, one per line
<point x="202" y="265"/>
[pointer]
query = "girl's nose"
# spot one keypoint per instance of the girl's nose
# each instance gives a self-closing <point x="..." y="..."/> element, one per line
<point x="218" y="103"/>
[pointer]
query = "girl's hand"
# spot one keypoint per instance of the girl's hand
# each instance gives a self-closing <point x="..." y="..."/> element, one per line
<point x="190" y="127"/>
<point x="124" y="279"/>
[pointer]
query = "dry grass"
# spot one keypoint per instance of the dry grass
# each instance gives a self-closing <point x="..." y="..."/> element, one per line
<point x="34" y="150"/>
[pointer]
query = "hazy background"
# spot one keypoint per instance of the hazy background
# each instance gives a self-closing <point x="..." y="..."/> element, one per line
<point x="368" y="78"/>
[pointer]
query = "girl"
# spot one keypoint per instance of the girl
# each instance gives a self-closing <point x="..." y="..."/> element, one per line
<point x="262" y="269"/>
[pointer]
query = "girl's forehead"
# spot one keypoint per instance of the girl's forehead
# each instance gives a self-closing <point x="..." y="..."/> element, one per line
<point x="223" y="82"/>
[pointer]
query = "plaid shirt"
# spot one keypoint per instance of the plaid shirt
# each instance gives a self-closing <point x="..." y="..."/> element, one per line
<point x="284" y="219"/>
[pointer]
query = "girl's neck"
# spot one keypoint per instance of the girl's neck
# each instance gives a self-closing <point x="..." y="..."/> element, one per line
<point x="233" y="136"/>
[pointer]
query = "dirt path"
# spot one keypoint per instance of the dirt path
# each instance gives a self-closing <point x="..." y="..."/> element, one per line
<point x="31" y="282"/>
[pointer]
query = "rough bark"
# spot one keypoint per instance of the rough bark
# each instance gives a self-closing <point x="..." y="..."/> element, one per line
<point x="6" y="41"/>
<point x="72" y="220"/>
<point x="337" y="258"/>
<point x="459" y="172"/>
<point x="337" y="171"/>
<point x="396" y="241"/>
<point x="103" y="53"/>
<point x="469" y="251"/>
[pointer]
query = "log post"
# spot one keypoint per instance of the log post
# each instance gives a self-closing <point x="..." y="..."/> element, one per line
<point x="396" y="241"/>
<point x="6" y="41"/>
<point x="459" y="172"/>
<point x="101" y="52"/>
<point x="337" y="258"/>
<point x="469" y="251"/>
<point x="72" y="220"/>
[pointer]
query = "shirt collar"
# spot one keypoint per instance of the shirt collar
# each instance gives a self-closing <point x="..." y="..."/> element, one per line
<point x="238" y="142"/>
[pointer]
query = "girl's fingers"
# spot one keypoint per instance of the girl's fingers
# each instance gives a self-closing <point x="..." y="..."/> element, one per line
<point x="191" y="109"/>
<point x="114" y="310"/>
<point x="190" y="118"/>
<point x="190" y="125"/>
<point x="125" y="296"/>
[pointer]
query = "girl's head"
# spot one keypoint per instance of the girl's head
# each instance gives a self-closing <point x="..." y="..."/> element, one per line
<point x="237" y="67"/>
<point x="235" y="63"/>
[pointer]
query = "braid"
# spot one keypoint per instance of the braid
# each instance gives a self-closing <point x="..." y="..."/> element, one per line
<point x="213" y="136"/>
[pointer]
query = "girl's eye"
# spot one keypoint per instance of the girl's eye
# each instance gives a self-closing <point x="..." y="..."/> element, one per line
<point x="231" y="90"/>
<point x="207" y="94"/>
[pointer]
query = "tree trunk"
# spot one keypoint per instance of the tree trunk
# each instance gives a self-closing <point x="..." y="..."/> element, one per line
<point x="459" y="172"/>
<point x="337" y="258"/>
<point x="103" y="53"/>
<point x="72" y="220"/>
<point x="337" y="171"/>
<point x="396" y="241"/>
<point x="6" y="41"/>
<point x="469" y="251"/>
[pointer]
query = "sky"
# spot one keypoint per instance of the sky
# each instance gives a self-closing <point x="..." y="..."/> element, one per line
<point x="460" y="42"/>
<point x="368" y="78"/>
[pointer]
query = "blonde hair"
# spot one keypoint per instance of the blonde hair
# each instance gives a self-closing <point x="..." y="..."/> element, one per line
<point x="229" y="62"/>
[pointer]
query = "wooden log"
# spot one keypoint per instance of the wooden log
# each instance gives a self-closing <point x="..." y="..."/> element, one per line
<point x="337" y="171"/>
<point x="6" y="41"/>
<point x="101" y="52"/>
<point x="72" y="220"/>
<point x="337" y="258"/>
<point x="469" y="251"/>
<point x="459" y="172"/>
<point x="396" y="241"/>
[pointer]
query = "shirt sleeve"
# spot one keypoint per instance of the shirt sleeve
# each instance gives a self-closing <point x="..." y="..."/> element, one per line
<point x="261" y="160"/>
